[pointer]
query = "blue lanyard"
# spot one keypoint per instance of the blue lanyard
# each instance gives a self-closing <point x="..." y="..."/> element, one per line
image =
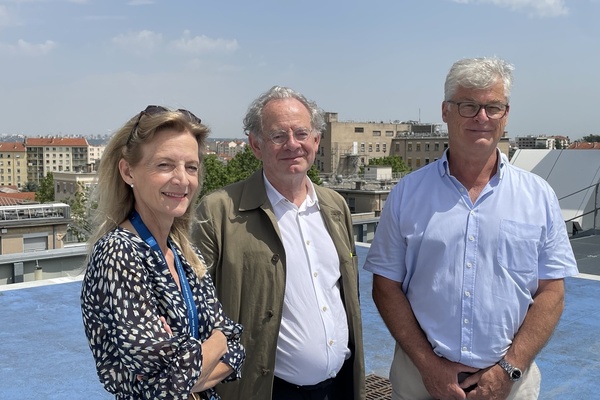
<point x="145" y="234"/>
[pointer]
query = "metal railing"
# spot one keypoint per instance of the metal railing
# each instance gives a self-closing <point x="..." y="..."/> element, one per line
<point x="594" y="210"/>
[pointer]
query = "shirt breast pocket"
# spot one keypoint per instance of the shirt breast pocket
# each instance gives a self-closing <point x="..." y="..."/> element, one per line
<point x="518" y="246"/>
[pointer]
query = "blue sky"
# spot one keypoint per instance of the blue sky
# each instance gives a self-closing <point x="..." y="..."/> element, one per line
<point x="73" y="67"/>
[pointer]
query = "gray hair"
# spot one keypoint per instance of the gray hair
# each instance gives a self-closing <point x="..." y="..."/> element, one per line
<point x="253" y="119"/>
<point x="478" y="73"/>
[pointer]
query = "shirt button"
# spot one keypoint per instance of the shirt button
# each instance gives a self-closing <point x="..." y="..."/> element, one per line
<point x="471" y="238"/>
<point x="308" y="242"/>
<point x="466" y="321"/>
<point x="275" y="258"/>
<point x="324" y="308"/>
<point x="315" y="274"/>
<point x="331" y="342"/>
<point x="472" y="212"/>
<point x="469" y="265"/>
<point x="468" y="294"/>
<point x="464" y="348"/>
<point x="264" y="371"/>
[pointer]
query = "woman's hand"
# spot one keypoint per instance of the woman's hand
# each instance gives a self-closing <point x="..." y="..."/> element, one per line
<point x="213" y="370"/>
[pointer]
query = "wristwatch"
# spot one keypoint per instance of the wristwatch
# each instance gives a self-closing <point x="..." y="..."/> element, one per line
<point x="513" y="372"/>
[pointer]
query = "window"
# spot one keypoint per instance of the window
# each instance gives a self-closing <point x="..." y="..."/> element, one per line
<point x="359" y="129"/>
<point x="426" y="146"/>
<point x="409" y="147"/>
<point x="352" y="204"/>
<point x="418" y="162"/>
<point x="362" y="147"/>
<point x="397" y="147"/>
<point x="418" y="146"/>
<point x="409" y="162"/>
<point x="445" y="146"/>
<point x="376" y="133"/>
<point x="377" y="147"/>
<point x="384" y="147"/>
<point x="436" y="147"/>
<point x="389" y="133"/>
<point x="426" y="161"/>
<point x="370" y="148"/>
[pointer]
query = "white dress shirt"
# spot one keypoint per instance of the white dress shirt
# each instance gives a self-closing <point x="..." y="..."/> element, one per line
<point x="313" y="338"/>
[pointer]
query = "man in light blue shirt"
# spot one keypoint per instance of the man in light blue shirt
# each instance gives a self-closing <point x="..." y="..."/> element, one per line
<point x="470" y="255"/>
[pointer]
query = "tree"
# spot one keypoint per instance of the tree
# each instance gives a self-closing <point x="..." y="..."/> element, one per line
<point x="313" y="175"/>
<point x="45" y="192"/>
<point x="244" y="164"/>
<point x="394" y="161"/>
<point x="591" y="138"/>
<point x="80" y="227"/>
<point x="214" y="174"/>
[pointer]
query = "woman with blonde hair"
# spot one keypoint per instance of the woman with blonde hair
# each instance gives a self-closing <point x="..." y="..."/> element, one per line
<point x="154" y="325"/>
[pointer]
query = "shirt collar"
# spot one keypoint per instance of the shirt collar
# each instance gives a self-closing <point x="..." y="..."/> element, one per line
<point x="444" y="169"/>
<point x="275" y="197"/>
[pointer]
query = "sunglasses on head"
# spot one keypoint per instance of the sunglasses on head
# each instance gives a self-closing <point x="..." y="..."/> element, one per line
<point x="155" y="110"/>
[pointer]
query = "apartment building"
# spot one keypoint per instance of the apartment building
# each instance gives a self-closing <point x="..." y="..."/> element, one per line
<point x="542" y="142"/>
<point x="13" y="164"/>
<point x="55" y="155"/>
<point x="67" y="184"/>
<point x="347" y="145"/>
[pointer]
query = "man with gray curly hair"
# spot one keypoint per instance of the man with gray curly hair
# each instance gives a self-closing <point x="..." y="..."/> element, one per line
<point x="470" y="256"/>
<point x="281" y="252"/>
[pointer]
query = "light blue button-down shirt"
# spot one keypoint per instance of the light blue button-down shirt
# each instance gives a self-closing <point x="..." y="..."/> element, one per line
<point x="470" y="271"/>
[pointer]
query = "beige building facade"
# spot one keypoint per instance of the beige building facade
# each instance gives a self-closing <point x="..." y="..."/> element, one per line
<point x="35" y="227"/>
<point x="55" y="155"/>
<point x="13" y="164"/>
<point x="67" y="184"/>
<point x="347" y="145"/>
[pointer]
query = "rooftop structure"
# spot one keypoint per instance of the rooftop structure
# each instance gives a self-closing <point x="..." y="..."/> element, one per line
<point x="45" y="355"/>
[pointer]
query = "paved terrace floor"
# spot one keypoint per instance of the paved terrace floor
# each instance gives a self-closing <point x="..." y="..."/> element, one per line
<point x="44" y="353"/>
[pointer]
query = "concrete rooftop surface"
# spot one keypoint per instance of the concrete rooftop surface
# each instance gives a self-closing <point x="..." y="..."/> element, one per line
<point x="44" y="352"/>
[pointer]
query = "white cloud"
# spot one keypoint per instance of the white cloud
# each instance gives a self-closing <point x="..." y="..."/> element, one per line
<point x="204" y="44"/>
<point x="142" y="42"/>
<point x="537" y="8"/>
<point x="28" y="49"/>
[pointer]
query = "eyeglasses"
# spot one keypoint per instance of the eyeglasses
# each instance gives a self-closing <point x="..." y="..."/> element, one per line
<point x="469" y="109"/>
<point x="155" y="110"/>
<point x="282" y="137"/>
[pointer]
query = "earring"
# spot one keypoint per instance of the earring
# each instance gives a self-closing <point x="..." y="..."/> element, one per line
<point x="131" y="184"/>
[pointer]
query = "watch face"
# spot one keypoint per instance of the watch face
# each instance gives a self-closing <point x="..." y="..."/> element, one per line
<point x="515" y="375"/>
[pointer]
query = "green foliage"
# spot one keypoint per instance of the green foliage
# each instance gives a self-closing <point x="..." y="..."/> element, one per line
<point x="214" y="174"/>
<point x="591" y="138"/>
<point x="313" y="175"/>
<point x="80" y="227"/>
<point x="394" y="161"/>
<point x="45" y="192"/>
<point x="240" y="167"/>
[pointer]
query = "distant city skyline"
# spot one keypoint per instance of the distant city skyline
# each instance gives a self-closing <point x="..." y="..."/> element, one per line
<point x="83" y="67"/>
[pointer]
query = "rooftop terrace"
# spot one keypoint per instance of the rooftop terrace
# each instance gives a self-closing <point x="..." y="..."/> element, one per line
<point x="44" y="352"/>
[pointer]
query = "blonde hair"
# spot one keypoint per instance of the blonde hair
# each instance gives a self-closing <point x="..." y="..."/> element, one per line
<point x="114" y="197"/>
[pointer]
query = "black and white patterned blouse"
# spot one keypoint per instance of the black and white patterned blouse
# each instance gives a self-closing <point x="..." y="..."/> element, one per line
<point x="126" y="289"/>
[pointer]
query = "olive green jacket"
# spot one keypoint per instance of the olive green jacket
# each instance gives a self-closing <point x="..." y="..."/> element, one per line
<point x="240" y="240"/>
